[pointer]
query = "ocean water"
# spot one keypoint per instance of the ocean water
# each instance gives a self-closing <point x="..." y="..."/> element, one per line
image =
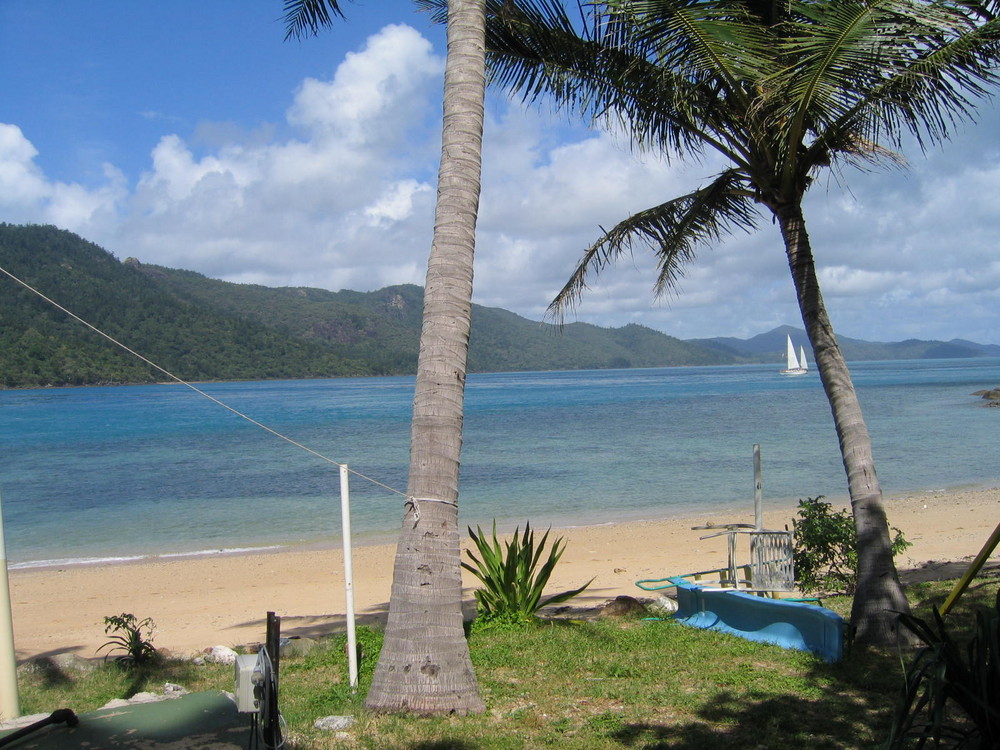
<point x="111" y="473"/>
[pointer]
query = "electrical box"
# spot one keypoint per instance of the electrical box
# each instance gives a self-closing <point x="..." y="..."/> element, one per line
<point x="246" y="666"/>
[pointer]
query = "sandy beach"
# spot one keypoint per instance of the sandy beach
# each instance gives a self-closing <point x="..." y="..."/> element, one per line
<point x="223" y="600"/>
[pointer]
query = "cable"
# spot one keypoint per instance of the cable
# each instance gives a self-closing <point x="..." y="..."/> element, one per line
<point x="194" y="388"/>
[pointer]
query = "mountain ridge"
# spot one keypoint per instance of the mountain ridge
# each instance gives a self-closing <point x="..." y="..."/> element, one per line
<point x="200" y="328"/>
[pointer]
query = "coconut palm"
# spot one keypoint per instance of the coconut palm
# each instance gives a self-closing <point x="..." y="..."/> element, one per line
<point x="781" y="89"/>
<point x="424" y="666"/>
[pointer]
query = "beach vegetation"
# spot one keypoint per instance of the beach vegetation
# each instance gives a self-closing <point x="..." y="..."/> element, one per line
<point x="782" y="92"/>
<point x="951" y="695"/>
<point x="133" y="637"/>
<point x="514" y="575"/>
<point x="826" y="547"/>
<point x="606" y="684"/>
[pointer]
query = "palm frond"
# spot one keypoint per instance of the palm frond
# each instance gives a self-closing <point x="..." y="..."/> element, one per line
<point x="866" y="72"/>
<point x="599" y="67"/>
<point x="306" y="17"/>
<point x="673" y="230"/>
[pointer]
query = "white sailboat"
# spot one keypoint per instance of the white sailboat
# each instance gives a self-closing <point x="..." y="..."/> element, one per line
<point x="795" y="365"/>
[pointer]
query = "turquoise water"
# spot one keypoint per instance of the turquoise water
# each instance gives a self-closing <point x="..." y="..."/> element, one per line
<point x="105" y="473"/>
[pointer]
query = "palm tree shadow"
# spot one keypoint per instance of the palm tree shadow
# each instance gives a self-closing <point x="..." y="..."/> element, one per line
<point x="730" y="721"/>
<point x="850" y="706"/>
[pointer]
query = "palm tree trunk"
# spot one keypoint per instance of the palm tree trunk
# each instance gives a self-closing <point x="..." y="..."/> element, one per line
<point x="879" y="597"/>
<point x="425" y="666"/>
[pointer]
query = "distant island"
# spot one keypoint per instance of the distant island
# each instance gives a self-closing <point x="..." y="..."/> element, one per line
<point x="203" y="329"/>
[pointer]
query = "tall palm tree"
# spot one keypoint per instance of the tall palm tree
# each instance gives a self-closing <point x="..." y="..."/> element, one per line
<point x="781" y="89"/>
<point x="424" y="666"/>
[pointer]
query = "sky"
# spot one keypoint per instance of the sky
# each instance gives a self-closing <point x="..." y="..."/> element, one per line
<point x="190" y="135"/>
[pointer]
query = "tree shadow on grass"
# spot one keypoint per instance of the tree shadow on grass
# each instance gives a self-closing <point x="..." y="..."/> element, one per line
<point x="852" y="709"/>
<point x="729" y="721"/>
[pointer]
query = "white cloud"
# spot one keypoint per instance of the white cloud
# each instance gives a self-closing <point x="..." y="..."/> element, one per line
<point x="27" y="196"/>
<point x="346" y="201"/>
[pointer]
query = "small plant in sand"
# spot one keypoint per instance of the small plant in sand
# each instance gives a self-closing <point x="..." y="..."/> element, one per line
<point x="132" y="636"/>
<point x="513" y="575"/>
<point x="826" y="547"/>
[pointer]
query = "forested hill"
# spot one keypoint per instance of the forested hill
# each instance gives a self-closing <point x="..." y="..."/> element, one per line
<point x="203" y="329"/>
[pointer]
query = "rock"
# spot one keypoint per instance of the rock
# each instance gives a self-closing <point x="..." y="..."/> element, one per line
<point x="663" y="605"/>
<point x="115" y="703"/>
<point x="146" y="698"/>
<point x="622" y="606"/>
<point x="173" y="690"/>
<point x="220" y="655"/>
<point x="21" y="721"/>
<point x="334" y="723"/>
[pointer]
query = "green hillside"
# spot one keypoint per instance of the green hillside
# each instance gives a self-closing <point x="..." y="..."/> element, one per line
<point x="204" y="329"/>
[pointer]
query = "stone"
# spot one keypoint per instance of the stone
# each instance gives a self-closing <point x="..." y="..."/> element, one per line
<point x="663" y="605"/>
<point x="334" y="723"/>
<point x="220" y="655"/>
<point x="145" y="697"/>
<point x="115" y="703"/>
<point x="622" y="606"/>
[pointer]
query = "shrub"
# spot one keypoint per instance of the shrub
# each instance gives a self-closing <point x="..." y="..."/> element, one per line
<point x="512" y="580"/>
<point x="134" y="637"/>
<point x="951" y="699"/>
<point x="826" y="547"/>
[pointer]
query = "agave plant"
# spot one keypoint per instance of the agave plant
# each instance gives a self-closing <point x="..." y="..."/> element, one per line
<point x="513" y="580"/>
<point x="952" y="695"/>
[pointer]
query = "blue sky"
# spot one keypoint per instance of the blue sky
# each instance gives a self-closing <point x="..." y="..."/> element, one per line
<point x="189" y="134"/>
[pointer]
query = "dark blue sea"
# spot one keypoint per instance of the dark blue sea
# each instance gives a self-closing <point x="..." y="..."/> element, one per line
<point x="92" y="474"/>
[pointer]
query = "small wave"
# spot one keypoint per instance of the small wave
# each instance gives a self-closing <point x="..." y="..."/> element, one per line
<point x="65" y="562"/>
<point x="223" y="551"/>
<point x="68" y="561"/>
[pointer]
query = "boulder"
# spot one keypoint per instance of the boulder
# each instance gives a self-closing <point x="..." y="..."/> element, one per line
<point x="220" y="655"/>
<point x="622" y="606"/>
<point x="334" y="723"/>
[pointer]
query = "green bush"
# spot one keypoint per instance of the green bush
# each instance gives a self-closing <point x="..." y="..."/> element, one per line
<point x="133" y="636"/>
<point x="512" y="579"/>
<point x="951" y="699"/>
<point x="826" y="547"/>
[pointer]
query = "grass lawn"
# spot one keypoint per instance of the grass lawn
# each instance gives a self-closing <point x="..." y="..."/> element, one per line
<point x="607" y="684"/>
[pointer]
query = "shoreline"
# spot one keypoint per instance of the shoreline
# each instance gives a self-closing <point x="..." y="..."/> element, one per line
<point x="388" y="537"/>
<point x="222" y="599"/>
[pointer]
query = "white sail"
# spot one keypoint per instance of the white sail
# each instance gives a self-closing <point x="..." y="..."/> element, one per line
<point x="795" y="365"/>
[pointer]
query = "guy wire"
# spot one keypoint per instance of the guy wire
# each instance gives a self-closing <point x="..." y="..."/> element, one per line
<point x="197" y="390"/>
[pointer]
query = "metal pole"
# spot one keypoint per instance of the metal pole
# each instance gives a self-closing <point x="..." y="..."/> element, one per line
<point x="345" y="516"/>
<point x="9" y="707"/>
<point x="974" y="568"/>
<point x="758" y="490"/>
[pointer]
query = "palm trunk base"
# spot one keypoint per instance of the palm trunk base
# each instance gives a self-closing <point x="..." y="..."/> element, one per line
<point x="425" y="667"/>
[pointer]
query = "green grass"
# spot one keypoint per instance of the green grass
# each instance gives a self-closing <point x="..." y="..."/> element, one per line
<point x="606" y="685"/>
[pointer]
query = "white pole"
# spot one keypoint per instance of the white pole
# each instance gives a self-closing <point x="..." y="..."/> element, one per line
<point x="9" y="708"/>
<point x="758" y="490"/>
<point x="345" y="516"/>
